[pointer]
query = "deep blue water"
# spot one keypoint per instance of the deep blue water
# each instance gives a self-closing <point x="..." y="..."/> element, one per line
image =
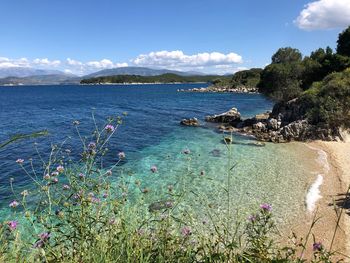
<point x="153" y="112"/>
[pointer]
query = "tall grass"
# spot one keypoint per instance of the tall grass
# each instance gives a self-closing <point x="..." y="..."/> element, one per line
<point x="81" y="211"/>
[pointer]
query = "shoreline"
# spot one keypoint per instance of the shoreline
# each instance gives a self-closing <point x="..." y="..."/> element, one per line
<point x="326" y="194"/>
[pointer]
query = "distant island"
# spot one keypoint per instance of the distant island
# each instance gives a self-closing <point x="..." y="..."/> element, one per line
<point x="163" y="78"/>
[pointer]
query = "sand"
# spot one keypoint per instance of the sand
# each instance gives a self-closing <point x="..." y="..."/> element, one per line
<point x="332" y="191"/>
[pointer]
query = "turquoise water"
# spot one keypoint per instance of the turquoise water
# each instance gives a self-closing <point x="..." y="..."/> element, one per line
<point x="276" y="173"/>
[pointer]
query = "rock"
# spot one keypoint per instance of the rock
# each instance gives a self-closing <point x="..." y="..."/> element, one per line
<point x="228" y="128"/>
<point x="190" y="122"/>
<point x="259" y="126"/>
<point x="216" y="153"/>
<point x="232" y="116"/>
<point x="273" y="124"/>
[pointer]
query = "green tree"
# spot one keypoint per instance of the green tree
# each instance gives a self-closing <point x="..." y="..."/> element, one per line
<point x="286" y="55"/>
<point x="343" y="47"/>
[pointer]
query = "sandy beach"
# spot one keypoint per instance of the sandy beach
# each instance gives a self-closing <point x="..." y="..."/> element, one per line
<point x="331" y="202"/>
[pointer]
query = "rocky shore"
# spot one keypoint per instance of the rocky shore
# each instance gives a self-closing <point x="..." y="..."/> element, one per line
<point x="285" y="123"/>
<point x="223" y="89"/>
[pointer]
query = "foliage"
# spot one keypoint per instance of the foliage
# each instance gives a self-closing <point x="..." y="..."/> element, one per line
<point x="343" y="47"/>
<point x="248" y="78"/>
<point x="164" y="78"/>
<point x="286" y="55"/>
<point x="328" y="101"/>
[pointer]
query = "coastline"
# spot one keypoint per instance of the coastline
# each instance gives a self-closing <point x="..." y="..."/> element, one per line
<point x="327" y="194"/>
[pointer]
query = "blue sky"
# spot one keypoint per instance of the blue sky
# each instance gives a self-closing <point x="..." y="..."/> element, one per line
<point x="82" y="36"/>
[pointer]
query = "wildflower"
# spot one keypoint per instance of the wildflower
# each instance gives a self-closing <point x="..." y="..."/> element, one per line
<point x="109" y="173"/>
<point x="105" y="195"/>
<point x="66" y="187"/>
<point x="60" y="169"/>
<point x="81" y="176"/>
<point x="186" y="151"/>
<point x="92" y="145"/>
<point x="12" y="225"/>
<point x="54" y="173"/>
<point x="54" y="180"/>
<point x="47" y="177"/>
<point x="252" y="218"/>
<point x="95" y="200"/>
<point x="266" y="207"/>
<point x="109" y="128"/>
<point x="24" y="193"/>
<point x="169" y="204"/>
<point x="76" y="123"/>
<point x="145" y="190"/>
<point x="112" y="221"/>
<point x="154" y="169"/>
<point x="14" y="204"/>
<point x="170" y="188"/>
<point x="121" y="155"/>
<point x="124" y="194"/>
<point x="186" y="231"/>
<point x="19" y="161"/>
<point x="44" y="237"/>
<point x="317" y="246"/>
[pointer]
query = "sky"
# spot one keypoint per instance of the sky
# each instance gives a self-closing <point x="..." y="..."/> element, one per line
<point x="212" y="36"/>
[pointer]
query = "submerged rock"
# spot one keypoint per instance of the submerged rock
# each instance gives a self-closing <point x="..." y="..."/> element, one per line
<point x="160" y="205"/>
<point x="216" y="153"/>
<point x="228" y="140"/>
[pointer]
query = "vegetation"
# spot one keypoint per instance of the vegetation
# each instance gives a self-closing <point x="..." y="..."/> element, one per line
<point x="80" y="211"/>
<point x="164" y="78"/>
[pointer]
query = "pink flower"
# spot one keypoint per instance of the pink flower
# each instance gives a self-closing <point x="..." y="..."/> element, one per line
<point x="81" y="176"/>
<point x="109" y="128"/>
<point x="60" y="169"/>
<point x="266" y="207"/>
<point x="12" y="225"/>
<point x="19" y="161"/>
<point x="105" y="195"/>
<point x="154" y="169"/>
<point x="55" y="180"/>
<point x="54" y="173"/>
<point x="252" y="218"/>
<point x="14" y="204"/>
<point x="186" y="231"/>
<point x="121" y="155"/>
<point x="317" y="246"/>
<point x="66" y="187"/>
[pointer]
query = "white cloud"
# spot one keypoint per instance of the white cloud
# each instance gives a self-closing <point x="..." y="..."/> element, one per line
<point x="11" y="63"/>
<point x="178" y="59"/>
<point x="73" y="62"/>
<point x="324" y="14"/>
<point x="46" y="62"/>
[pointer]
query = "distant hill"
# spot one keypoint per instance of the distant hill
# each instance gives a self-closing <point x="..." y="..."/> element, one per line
<point x="26" y="72"/>
<point x="53" y="79"/>
<point x="139" y="71"/>
<point x="164" y="78"/>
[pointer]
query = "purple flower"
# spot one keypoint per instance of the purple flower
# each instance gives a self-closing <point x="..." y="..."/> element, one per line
<point x="60" y="169"/>
<point x="154" y="169"/>
<point x="95" y="200"/>
<point x="169" y="204"/>
<point x="66" y="187"/>
<point x="317" y="246"/>
<point x="186" y="231"/>
<point x="186" y="151"/>
<point x="44" y="236"/>
<point x="105" y="195"/>
<point x="81" y="176"/>
<point x="92" y="145"/>
<point x="109" y="128"/>
<point x="121" y="155"/>
<point x="12" y="225"/>
<point x="252" y="218"/>
<point x="54" y="173"/>
<point x="55" y="180"/>
<point x="266" y="207"/>
<point x="19" y="161"/>
<point x="109" y="173"/>
<point x="14" y="204"/>
<point x="47" y="177"/>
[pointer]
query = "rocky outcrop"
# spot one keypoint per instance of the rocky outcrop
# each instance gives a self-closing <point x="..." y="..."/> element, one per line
<point x="190" y="122"/>
<point x="223" y="89"/>
<point x="232" y="117"/>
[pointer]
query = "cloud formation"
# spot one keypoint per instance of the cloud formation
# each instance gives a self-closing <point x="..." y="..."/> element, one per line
<point x="177" y="59"/>
<point x="214" y="62"/>
<point x="324" y="14"/>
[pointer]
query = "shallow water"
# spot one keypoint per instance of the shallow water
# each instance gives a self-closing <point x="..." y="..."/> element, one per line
<point x="151" y="135"/>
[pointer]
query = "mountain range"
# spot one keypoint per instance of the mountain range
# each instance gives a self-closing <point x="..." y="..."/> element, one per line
<point x="31" y="76"/>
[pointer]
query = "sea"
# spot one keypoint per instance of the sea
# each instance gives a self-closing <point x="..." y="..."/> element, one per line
<point x="151" y="135"/>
